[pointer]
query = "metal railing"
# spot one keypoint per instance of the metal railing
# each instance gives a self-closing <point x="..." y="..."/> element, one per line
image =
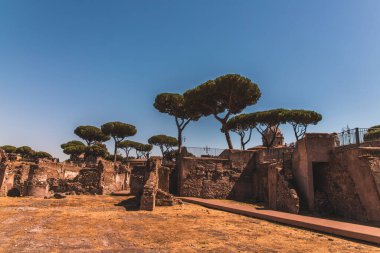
<point x="201" y="152"/>
<point x="355" y="136"/>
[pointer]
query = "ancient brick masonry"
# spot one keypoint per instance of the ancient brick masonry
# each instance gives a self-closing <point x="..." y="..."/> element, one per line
<point x="86" y="182"/>
<point x="282" y="195"/>
<point x="42" y="178"/>
<point x="338" y="180"/>
<point x="242" y="176"/>
<point x="150" y="184"/>
<point x="148" y="197"/>
<point x="238" y="175"/>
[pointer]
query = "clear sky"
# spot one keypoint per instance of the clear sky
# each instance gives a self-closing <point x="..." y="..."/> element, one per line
<point x="69" y="63"/>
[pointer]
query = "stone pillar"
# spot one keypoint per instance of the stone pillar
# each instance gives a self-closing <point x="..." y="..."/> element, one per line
<point x="148" y="197"/>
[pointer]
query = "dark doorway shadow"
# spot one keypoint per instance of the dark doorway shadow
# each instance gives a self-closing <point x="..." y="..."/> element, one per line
<point x="14" y="192"/>
<point x="130" y="204"/>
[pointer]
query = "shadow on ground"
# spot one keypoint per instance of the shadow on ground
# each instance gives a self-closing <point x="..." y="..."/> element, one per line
<point x="131" y="204"/>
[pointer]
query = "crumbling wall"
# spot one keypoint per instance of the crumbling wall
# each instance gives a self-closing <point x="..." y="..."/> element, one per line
<point x="206" y="177"/>
<point x="227" y="177"/>
<point x="164" y="178"/>
<point x="282" y="195"/>
<point x="351" y="185"/>
<point x="86" y="182"/>
<point x="113" y="176"/>
<point x="137" y="179"/>
<point x="164" y="198"/>
<point x="314" y="147"/>
<point x="259" y="181"/>
<point x="145" y="185"/>
<point x="14" y="177"/>
<point x="148" y="196"/>
<point x="36" y="178"/>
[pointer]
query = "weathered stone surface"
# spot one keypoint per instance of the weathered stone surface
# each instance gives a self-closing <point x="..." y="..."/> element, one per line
<point x="148" y="197"/>
<point x="164" y="198"/>
<point x="37" y="178"/>
<point x="145" y="184"/>
<point x="230" y="176"/>
<point x="137" y="180"/>
<point x="287" y="197"/>
<point x="164" y="178"/>
<point x="87" y="182"/>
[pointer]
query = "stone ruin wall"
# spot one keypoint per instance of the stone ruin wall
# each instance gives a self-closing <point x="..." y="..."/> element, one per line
<point x="351" y="184"/>
<point x="282" y="195"/>
<point x="43" y="177"/>
<point x="338" y="180"/>
<point x="238" y="175"/>
<point x="227" y="177"/>
<point x="151" y="183"/>
<point x="138" y="179"/>
<point x="206" y="178"/>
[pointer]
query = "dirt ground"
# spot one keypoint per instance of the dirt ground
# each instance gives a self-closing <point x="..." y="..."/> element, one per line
<point x="112" y="224"/>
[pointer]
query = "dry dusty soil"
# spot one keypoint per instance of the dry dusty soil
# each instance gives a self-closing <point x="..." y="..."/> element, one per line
<point x="112" y="224"/>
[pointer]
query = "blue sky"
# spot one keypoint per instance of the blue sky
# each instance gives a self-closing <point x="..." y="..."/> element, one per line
<point x="69" y="63"/>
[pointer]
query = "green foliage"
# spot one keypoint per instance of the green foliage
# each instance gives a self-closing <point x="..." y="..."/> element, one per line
<point x="118" y="131"/>
<point x="161" y="139"/>
<point x="241" y="124"/>
<point x="164" y="142"/>
<point x="269" y="118"/>
<point x="174" y="104"/>
<point x="374" y="128"/>
<point x="128" y="145"/>
<point x="373" y="133"/>
<point x="91" y="134"/>
<point x="74" y="149"/>
<point x="42" y="154"/>
<point x="25" y="151"/>
<point x="268" y="121"/>
<point x="9" y="149"/>
<point x="231" y="93"/>
<point x="97" y="150"/>
<point x="72" y="143"/>
<point x="300" y="119"/>
<point x="228" y="94"/>
<point x="110" y="157"/>
<point x="143" y="150"/>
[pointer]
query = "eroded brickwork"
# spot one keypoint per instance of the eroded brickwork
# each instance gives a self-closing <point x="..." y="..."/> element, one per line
<point x="44" y="177"/>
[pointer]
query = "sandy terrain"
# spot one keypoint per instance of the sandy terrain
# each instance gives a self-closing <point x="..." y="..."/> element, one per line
<point x="111" y="224"/>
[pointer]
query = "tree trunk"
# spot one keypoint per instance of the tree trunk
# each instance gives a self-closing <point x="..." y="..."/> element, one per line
<point x="115" y="152"/>
<point x="295" y="132"/>
<point x="162" y="151"/>
<point x="228" y="139"/>
<point x="179" y="140"/>
<point x="242" y="142"/>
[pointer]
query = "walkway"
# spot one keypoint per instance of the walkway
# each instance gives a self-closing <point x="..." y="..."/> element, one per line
<point x="349" y="230"/>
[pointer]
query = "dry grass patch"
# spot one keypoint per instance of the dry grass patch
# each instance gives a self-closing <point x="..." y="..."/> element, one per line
<point x="96" y="223"/>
